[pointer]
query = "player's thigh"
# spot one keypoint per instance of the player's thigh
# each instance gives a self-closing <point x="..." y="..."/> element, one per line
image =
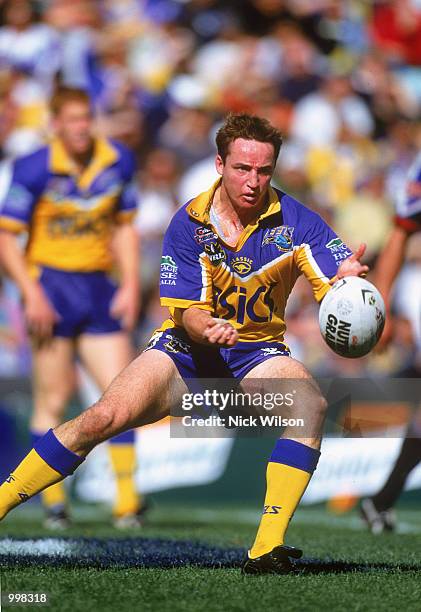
<point x="299" y="394"/>
<point x="279" y="366"/>
<point x="144" y="391"/>
<point x="105" y="355"/>
<point x="53" y="377"/>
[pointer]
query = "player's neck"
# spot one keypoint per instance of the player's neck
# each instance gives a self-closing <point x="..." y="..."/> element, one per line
<point x="225" y="219"/>
<point x="81" y="160"/>
<point x="225" y="209"/>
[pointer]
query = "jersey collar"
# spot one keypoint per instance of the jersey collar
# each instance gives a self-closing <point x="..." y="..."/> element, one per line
<point x="61" y="163"/>
<point x="199" y="207"/>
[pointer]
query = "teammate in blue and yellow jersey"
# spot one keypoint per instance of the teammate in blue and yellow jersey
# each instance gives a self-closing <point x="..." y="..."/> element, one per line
<point x="230" y="260"/>
<point x="75" y="199"/>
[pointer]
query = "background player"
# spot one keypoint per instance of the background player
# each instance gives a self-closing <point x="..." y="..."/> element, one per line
<point x="231" y="258"/>
<point x="75" y="199"/>
<point x="377" y="511"/>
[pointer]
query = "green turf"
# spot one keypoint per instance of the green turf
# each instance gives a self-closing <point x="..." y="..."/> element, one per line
<point x="388" y="578"/>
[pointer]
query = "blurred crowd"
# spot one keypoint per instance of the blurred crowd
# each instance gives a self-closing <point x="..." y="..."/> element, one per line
<point x="340" y="78"/>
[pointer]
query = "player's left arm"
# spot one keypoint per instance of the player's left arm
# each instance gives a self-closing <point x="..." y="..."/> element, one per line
<point x="324" y="258"/>
<point x="126" y="248"/>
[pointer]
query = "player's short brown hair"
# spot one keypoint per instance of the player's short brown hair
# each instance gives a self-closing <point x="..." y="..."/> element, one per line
<point x="249" y="127"/>
<point x="63" y="95"/>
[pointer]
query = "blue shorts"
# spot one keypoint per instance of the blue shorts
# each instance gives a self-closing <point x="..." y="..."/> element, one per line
<point x="198" y="361"/>
<point x="82" y="299"/>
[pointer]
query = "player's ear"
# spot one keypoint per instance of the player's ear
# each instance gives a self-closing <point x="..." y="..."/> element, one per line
<point x="219" y="164"/>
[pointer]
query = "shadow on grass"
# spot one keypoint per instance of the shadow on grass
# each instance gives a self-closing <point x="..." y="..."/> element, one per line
<point x="148" y="553"/>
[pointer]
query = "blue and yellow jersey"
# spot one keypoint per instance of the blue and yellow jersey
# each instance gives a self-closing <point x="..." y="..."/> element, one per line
<point x="249" y="284"/>
<point x="69" y="217"/>
<point x="408" y="209"/>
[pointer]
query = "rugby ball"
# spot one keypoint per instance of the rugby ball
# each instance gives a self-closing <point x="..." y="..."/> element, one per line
<point x="352" y="316"/>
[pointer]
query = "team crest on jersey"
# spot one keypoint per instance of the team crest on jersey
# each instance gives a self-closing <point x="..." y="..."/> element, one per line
<point x="280" y="236"/>
<point x="215" y="253"/>
<point x="169" y="271"/>
<point x="242" y="265"/>
<point x="204" y="234"/>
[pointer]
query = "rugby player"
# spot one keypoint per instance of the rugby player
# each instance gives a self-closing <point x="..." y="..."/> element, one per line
<point x="230" y="259"/>
<point x="75" y="200"/>
<point x="378" y="511"/>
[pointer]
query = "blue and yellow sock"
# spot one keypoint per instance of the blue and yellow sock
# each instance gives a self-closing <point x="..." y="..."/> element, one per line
<point x="53" y="497"/>
<point x="122" y="452"/>
<point x="289" y="470"/>
<point x="49" y="462"/>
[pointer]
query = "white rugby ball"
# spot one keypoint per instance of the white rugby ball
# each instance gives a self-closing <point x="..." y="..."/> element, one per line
<point x="352" y="316"/>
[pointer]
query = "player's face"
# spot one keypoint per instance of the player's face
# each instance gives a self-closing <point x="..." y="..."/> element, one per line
<point x="246" y="173"/>
<point x="73" y="125"/>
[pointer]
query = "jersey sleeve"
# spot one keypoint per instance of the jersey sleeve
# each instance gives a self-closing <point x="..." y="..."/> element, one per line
<point x="408" y="208"/>
<point x="185" y="278"/>
<point x="319" y="255"/>
<point x="19" y="198"/>
<point x="129" y="197"/>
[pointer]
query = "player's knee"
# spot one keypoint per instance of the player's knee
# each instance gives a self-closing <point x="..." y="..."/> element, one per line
<point x="103" y="420"/>
<point x="320" y="406"/>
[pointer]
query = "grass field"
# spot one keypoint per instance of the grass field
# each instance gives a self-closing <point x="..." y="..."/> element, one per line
<point x="187" y="559"/>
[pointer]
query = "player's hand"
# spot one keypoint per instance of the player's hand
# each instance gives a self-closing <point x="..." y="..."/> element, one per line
<point x="126" y="305"/>
<point x="39" y="314"/>
<point x="220" y="333"/>
<point x="352" y="266"/>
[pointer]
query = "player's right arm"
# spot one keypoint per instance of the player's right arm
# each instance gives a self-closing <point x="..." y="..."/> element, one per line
<point x="39" y="314"/>
<point x="15" y="216"/>
<point x="186" y="286"/>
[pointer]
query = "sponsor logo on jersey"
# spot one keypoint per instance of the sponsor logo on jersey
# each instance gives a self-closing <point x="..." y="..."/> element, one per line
<point x="176" y="345"/>
<point x="273" y="351"/>
<point x="280" y="236"/>
<point x="338" y="249"/>
<point x="204" y="234"/>
<point x="215" y="253"/>
<point x="169" y="271"/>
<point x="237" y="303"/>
<point x="242" y="265"/>
<point x="78" y="224"/>
<point x="154" y="340"/>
